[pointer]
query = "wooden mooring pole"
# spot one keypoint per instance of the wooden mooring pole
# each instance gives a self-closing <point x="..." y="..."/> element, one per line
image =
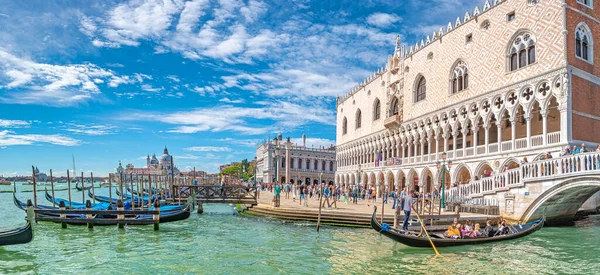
<point x="69" y="190"/>
<point x="82" y="189"/>
<point x="110" y="187"/>
<point x="131" y="186"/>
<point x="382" y="204"/>
<point x="34" y="187"/>
<point x="120" y="217"/>
<point x="93" y="190"/>
<point x="52" y="185"/>
<point x="88" y="207"/>
<point x="62" y="206"/>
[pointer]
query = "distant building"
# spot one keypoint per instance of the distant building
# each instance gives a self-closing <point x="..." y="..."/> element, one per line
<point x="154" y="166"/>
<point x="40" y="176"/>
<point x="278" y="160"/>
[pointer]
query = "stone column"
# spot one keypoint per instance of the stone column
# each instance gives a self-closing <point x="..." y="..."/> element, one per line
<point x="564" y="124"/>
<point x="445" y="136"/>
<point x="499" y="125"/>
<point x="544" y="114"/>
<point x="513" y="134"/>
<point x="429" y="147"/>
<point x="475" y="137"/>
<point x="437" y="146"/>
<point x="486" y="127"/>
<point x="464" y="142"/>
<point x="528" y="119"/>
<point x="454" y="143"/>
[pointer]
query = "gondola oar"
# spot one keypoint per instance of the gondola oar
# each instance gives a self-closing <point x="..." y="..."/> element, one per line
<point x="426" y="234"/>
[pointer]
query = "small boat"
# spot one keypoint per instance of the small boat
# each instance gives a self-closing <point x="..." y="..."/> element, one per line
<point x="4" y="182"/>
<point x="84" y="188"/>
<point x="167" y="216"/>
<point x="77" y="205"/>
<point x="127" y="203"/>
<point x="416" y="240"/>
<point x="19" y="235"/>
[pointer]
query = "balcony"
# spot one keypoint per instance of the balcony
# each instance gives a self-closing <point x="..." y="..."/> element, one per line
<point x="393" y="121"/>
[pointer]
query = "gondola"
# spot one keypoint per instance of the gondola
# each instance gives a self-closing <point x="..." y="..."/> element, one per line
<point x="23" y="206"/>
<point x="127" y="204"/>
<point x="79" y="188"/>
<point x="76" y="205"/>
<point x="136" y="198"/>
<point x="165" y="217"/>
<point x="413" y="238"/>
<point x="19" y="235"/>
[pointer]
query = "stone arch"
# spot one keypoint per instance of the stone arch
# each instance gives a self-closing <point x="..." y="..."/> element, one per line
<point x="481" y="168"/>
<point x="427" y="180"/>
<point x="561" y="202"/>
<point x="462" y="174"/>
<point x="390" y="178"/>
<point x="371" y="180"/>
<point x="412" y="179"/>
<point x="508" y="164"/>
<point x="538" y="156"/>
<point x="447" y="179"/>
<point x="400" y="180"/>
<point x="352" y="179"/>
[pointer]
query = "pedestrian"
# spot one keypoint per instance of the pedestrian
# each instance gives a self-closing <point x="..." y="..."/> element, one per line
<point x="258" y="191"/>
<point x="394" y="196"/>
<point x="277" y="192"/>
<point x="294" y="191"/>
<point x="346" y="195"/>
<point x="407" y="207"/>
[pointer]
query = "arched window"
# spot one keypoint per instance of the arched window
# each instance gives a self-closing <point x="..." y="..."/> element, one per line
<point x="584" y="42"/>
<point x="323" y="166"/>
<point x="291" y="163"/>
<point x="345" y="126"/>
<point x="421" y="90"/>
<point x="331" y="165"/>
<point x="299" y="163"/>
<point x="308" y="164"/>
<point x="460" y="78"/>
<point x="316" y="165"/>
<point x="394" y="107"/>
<point x="521" y="51"/>
<point x="358" y="119"/>
<point x="376" y="109"/>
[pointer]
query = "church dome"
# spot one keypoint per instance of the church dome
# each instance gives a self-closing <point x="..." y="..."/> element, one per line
<point x="165" y="158"/>
<point x="154" y="160"/>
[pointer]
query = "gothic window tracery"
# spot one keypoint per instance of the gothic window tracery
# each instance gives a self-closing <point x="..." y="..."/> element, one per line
<point x="345" y="126"/>
<point x="460" y="78"/>
<point x="522" y="51"/>
<point x="420" y="92"/>
<point x="358" y="119"/>
<point x="377" y="110"/>
<point x="583" y="43"/>
<point x="394" y="107"/>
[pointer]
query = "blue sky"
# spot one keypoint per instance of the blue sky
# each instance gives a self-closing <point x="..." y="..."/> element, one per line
<point x="117" y="80"/>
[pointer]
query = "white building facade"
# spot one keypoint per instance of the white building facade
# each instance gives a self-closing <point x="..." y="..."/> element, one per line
<point x="282" y="161"/>
<point x="507" y="81"/>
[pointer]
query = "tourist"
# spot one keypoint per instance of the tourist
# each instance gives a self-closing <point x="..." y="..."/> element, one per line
<point x="476" y="231"/>
<point x="276" y="192"/>
<point x="258" y="191"/>
<point x="326" y="197"/>
<point x="374" y="194"/>
<point x="346" y="195"/>
<point x="469" y="225"/>
<point x="355" y="195"/>
<point x="301" y="192"/>
<point x="548" y="155"/>
<point x="436" y="193"/>
<point x="598" y="149"/>
<point x="575" y="150"/>
<point x="488" y="231"/>
<point x="407" y="207"/>
<point x="464" y="231"/>
<point x="393" y="196"/>
<point x="453" y="231"/>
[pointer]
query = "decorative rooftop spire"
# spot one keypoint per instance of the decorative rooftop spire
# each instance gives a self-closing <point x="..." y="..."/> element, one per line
<point x="397" y="49"/>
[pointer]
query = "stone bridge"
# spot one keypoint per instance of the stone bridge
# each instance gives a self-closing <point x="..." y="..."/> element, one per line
<point x="554" y="188"/>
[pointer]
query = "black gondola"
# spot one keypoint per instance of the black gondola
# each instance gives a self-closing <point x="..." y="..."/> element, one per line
<point x="413" y="239"/>
<point x="167" y="216"/>
<point x="79" y="188"/>
<point x="20" y="235"/>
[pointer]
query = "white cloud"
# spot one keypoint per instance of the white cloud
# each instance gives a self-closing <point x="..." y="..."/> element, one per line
<point x="91" y="130"/>
<point x="174" y="78"/>
<point x="253" y="10"/>
<point x="383" y="20"/>
<point x="244" y="142"/>
<point x="227" y="100"/>
<point x="208" y="149"/>
<point x="188" y="156"/>
<point x="10" y="138"/>
<point x="314" y="142"/>
<point x="54" y="85"/>
<point x="246" y="120"/>
<point x="6" y="123"/>
<point x="149" y="88"/>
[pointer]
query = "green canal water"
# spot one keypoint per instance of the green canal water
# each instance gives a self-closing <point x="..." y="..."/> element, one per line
<point x="219" y="242"/>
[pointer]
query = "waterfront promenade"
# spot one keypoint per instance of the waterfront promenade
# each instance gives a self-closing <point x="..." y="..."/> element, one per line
<point x="359" y="213"/>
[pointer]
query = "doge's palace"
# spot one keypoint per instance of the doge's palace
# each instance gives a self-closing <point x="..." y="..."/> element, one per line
<point x="508" y="80"/>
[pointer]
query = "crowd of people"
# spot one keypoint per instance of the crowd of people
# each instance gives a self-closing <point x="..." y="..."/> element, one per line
<point x="332" y="194"/>
<point x="468" y="230"/>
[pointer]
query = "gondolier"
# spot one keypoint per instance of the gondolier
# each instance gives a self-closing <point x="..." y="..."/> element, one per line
<point x="407" y="202"/>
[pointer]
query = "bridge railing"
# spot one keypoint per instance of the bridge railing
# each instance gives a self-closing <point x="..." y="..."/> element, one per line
<point x="533" y="171"/>
<point x="216" y="193"/>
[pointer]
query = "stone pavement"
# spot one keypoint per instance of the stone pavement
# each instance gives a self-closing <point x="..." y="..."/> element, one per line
<point x="362" y="207"/>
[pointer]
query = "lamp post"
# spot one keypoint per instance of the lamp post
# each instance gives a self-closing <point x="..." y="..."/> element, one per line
<point x="442" y="166"/>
